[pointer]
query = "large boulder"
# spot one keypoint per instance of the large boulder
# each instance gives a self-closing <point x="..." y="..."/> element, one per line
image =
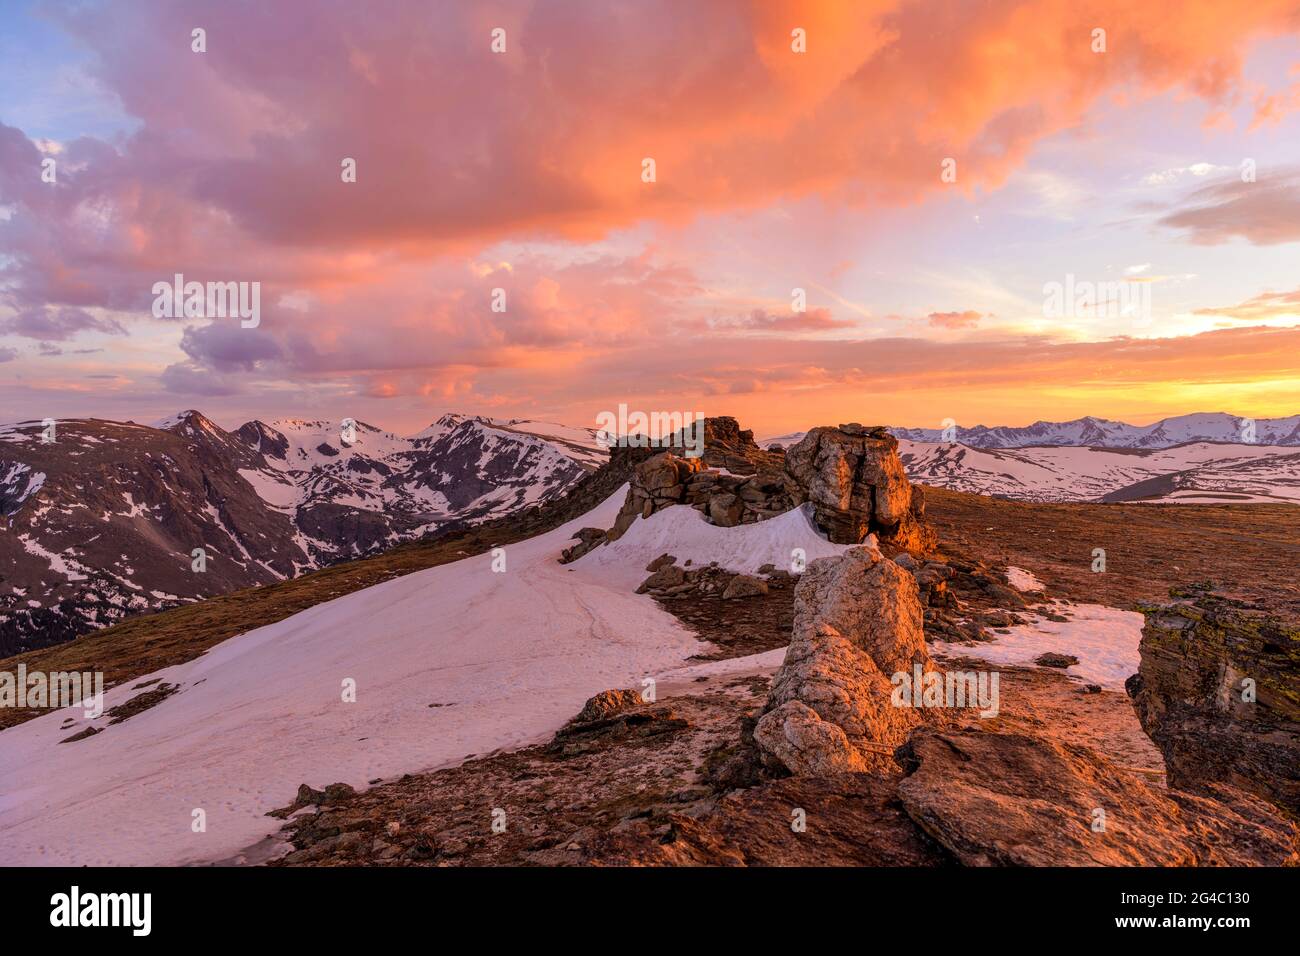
<point x="870" y="600"/>
<point x="1218" y="690"/>
<point x="1024" y="800"/>
<point x="856" y="483"/>
<point x="857" y="622"/>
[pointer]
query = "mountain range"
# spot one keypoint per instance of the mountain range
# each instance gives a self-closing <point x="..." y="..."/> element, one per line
<point x="105" y="520"/>
<point x="1194" y="473"/>
<point x="1102" y="433"/>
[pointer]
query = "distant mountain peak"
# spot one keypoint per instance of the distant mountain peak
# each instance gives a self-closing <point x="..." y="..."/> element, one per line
<point x="190" y="423"/>
<point x="1219" y="427"/>
<point x="447" y="421"/>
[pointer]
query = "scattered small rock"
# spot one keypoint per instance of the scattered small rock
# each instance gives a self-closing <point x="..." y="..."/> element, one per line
<point x="88" y="732"/>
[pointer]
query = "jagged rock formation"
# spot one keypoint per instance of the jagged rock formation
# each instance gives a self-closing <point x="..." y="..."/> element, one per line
<point x="1018" y="800"/>
<point x="856" y="483"/>
<point x="732" y="448"/>
<point x="1193" y="694"/>
<point x="852" y="476"/>
<point x="726" y="500"/>
<point x="857" y="622"/>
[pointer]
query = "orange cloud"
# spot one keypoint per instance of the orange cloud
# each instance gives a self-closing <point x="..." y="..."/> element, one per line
<point x="457" y="147"/>
<point x="1266" y="305"/>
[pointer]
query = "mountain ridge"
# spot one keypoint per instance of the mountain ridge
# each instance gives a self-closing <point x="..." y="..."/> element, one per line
<point x="1093" y="432"/>
<point x="112" y="518"/>
<point x="1090" y="431"/>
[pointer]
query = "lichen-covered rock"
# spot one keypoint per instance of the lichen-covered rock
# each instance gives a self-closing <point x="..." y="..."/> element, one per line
<point x="996" y="799"/>
<point x="857" y="485"/>
<point x="857" y="622"/>
<point x="1218" y="691"/>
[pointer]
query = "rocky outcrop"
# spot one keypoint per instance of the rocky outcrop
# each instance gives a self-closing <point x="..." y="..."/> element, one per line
<point x="1020" y="800"/>
<point x="614" y="717"/>
<point x="857" y="622"/>
<point x="1218" y="691"/>
<point x="726" y="500"/>
<point x="726" y="446"/>
<point x="856" y="483"/>
<point x="729" y="447"/>
<point x="606" y="704"/>
<point x="852" y="475"/>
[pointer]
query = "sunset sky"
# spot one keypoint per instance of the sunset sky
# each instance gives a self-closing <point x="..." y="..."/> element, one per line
<point x="775" y="170"/>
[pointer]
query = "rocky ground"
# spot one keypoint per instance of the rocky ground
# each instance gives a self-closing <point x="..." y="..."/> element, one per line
<point x="1149" y="549"/>
<point x="815" y="763"/>
<point x="647" y="786"/>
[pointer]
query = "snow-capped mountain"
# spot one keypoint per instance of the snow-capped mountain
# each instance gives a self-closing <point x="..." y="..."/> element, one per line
<point x="105" y="520"/>
<point x="1202" y="472"/>
<point x="1099" y="432"/>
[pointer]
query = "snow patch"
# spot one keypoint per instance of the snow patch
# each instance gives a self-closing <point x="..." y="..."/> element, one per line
<point x="1023" y="580"/>
<point x="1104" y="639"/>
<point x="685" y="533"/>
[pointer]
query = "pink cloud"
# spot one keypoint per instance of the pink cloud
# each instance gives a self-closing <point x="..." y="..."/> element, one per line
<point x="955" y="320"/>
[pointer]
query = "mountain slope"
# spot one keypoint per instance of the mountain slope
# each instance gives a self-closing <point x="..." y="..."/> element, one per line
<point x="458" y="659"/>
<point x="102" y="523"/>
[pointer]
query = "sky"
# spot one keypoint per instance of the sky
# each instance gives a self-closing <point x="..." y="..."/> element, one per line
<point x="924" y="176"/>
